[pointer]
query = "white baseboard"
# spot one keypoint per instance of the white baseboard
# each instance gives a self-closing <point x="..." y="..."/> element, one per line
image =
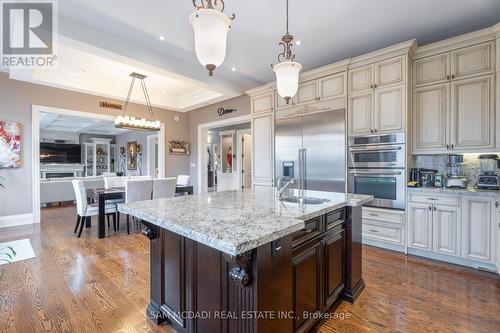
<point x="16" y="220"/>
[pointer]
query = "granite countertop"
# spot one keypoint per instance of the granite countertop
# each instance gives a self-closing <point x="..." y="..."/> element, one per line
<point x="469" y="190"/>
<point x="236" y="221"/>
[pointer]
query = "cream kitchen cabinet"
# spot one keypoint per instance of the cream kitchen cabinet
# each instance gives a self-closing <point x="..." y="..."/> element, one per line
<point x="431" y="70"/>
<point x="446" y="230"/>
<point x="458" y="228"/>
<point x="475" y="60"/>
<point x="308" y="92"/>
<point x="473" y="113"/>
<point x="381" y="110"/>
<point x="389" y="109"/>
<point x="478" y="228"/>
<point x="420" y="226"/>
<point x="430" y="113"/>
<point x="262" y="103"/>
<point x="377" y="75"/>
<point x="455" y="117"/>
<point x="263" y="154"/>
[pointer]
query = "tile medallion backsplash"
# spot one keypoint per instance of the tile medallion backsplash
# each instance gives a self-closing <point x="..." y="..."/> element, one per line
<point x="471" y="166"/>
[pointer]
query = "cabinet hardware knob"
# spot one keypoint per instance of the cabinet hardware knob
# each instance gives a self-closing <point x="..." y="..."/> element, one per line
<point x="435" y="208"/>
<point x="447" y="146"/>
<point x="452" y="76"/>
<point x="371" y="86"/>
<point x="374" y="86"/>
<point x="497" y="204"/>
<point x="452" y="146"/>
<point x="375" y="130"/>
<point x="430" y="207"/>
<point x="447" y="77"/>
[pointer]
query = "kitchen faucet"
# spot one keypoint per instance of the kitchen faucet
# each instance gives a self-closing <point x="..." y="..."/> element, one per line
<point x="282" y="188"/>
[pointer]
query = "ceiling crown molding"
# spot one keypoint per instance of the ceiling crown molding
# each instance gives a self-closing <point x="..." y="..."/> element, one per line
<point x="475" y="37"/>
<point x="407" y="47"/>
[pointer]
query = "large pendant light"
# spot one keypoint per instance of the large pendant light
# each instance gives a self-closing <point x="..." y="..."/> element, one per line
<point x="287" y="70"/>
<point x="210" y="27"/>
<point x="144" y="124"/>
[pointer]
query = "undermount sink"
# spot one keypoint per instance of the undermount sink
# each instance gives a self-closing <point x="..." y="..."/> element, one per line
<point x="304" y="200"/>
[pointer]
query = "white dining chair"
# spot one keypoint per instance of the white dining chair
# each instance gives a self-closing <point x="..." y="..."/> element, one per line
<point x="183" y="180"/>
<point x="164" y="187"/>
<point x="111" y="182"/>
<point x="137" y="190"/>
<point x="84" y="210"/>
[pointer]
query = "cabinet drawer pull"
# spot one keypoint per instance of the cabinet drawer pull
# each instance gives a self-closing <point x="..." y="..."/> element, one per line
<point x="308" y="231"/>
<point x="372" y="214"/>
<point x="433" y="199"/>
<point x="373" y="230"/>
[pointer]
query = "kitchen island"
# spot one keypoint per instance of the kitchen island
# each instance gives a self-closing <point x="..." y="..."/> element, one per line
<point x="244" y="261"/>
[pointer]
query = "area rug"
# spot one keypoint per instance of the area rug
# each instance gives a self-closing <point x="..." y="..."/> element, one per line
<point x="22" y="247"/>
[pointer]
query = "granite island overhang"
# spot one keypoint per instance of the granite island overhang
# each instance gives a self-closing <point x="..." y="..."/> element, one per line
<point x="244" y="261"/>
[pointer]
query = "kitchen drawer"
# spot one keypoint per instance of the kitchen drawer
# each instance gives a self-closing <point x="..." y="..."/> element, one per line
<point x="311" y="230"/>
<point x="335" y="218"/>
<point x="384" y="215"/>
<point x="432" y="199"/>
<point x="387" y="232"/>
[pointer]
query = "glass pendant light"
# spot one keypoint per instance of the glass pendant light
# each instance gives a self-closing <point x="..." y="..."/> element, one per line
<point x="210" y="27"/>
<point x="287" y="70"/>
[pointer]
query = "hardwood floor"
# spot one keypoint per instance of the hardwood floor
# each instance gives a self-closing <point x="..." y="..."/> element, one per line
<point x="91" y="285"/>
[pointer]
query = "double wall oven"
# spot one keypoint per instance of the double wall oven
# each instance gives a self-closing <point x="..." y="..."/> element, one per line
<point x="377" y="167"/>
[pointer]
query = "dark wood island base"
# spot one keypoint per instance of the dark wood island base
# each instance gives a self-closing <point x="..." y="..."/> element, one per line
<point x="282" y="286"/>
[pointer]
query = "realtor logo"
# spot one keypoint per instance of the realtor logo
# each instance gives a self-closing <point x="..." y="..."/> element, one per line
<point x="28" y="33"/>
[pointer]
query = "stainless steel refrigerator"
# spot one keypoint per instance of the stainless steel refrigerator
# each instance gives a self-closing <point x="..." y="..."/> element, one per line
<point x="312" y="150"/>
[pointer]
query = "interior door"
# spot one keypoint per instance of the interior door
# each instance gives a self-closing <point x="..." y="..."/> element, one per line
<point x="324" y="151"/>
<point x="288" y="142"/>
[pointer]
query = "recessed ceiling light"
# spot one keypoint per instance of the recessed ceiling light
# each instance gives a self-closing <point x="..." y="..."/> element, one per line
<point x="163" y="91"/>
<point x="162" y="38"/>
<point x="233" y="69"/>
<point x="298" y="42"/>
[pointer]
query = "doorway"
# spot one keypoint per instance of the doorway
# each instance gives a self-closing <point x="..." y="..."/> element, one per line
<point x="220" y="154"/>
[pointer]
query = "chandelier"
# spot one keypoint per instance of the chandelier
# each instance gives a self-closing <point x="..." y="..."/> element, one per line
<point x="210" y="27"/>
<point x="125" y="121"/>
<point x="287" y="70"/>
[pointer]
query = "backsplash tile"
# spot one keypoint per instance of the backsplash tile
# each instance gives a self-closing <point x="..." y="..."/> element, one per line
<point x="471" y="166"/>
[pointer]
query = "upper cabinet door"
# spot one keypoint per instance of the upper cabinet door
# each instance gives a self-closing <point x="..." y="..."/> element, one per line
<point x="431" y="70"/>
<point x="389" y="109"/>
<point x="307" y="92"/>
<point x="360" y="79"/>
<point x="262" y="103"/>
<point x="389" y="72"/>
<point x="430" y="117"/>
<point x="472" y="113"/>
<point x="473" y="60"/>
<point x="360" y="114"/>
<point x="332" y="86"/>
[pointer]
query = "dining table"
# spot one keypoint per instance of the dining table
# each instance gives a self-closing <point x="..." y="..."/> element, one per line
<point x="101" y="195"/>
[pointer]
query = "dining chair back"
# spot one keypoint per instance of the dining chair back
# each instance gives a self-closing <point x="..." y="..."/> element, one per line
<point x="110" y="182"/>
<point x="138" y="190"/>
<point x="183" y="180"/>
<point x="81" y="196"/>
<point x="109" y="174"/>
<point x="164" y="187"/>
<point x="141" y="177"/>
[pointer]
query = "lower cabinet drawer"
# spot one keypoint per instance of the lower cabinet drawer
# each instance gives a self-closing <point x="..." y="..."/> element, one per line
<point x="386" y="232"/>
<point x="386" y="215"/>
<point x="433" y="199"/>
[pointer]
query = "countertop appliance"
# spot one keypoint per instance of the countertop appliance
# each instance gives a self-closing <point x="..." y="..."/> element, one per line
<point x="488" y="179"/>
<point x="454" y="173"/>
<point x="427" y="177"/>
<point x="311" y="149"/>
<point x="377" y="167"/>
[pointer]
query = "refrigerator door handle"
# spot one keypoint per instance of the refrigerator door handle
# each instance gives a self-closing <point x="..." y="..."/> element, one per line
<point x="304" y="170"/>
<point x="299" y="182"/>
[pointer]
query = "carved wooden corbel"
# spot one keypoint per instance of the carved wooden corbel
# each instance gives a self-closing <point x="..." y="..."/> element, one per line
<point x="242" y="267"/>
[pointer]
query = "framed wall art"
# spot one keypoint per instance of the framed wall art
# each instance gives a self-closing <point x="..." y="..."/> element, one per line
<point x="10" y="144"/>
<point x="132" y="155"/>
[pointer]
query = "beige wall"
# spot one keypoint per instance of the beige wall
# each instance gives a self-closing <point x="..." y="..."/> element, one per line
<point x="209" y="114"/>
<point x="16" y="98"/>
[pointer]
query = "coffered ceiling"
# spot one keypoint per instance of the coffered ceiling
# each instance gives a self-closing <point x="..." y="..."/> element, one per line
<point x="52" y="122"/>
